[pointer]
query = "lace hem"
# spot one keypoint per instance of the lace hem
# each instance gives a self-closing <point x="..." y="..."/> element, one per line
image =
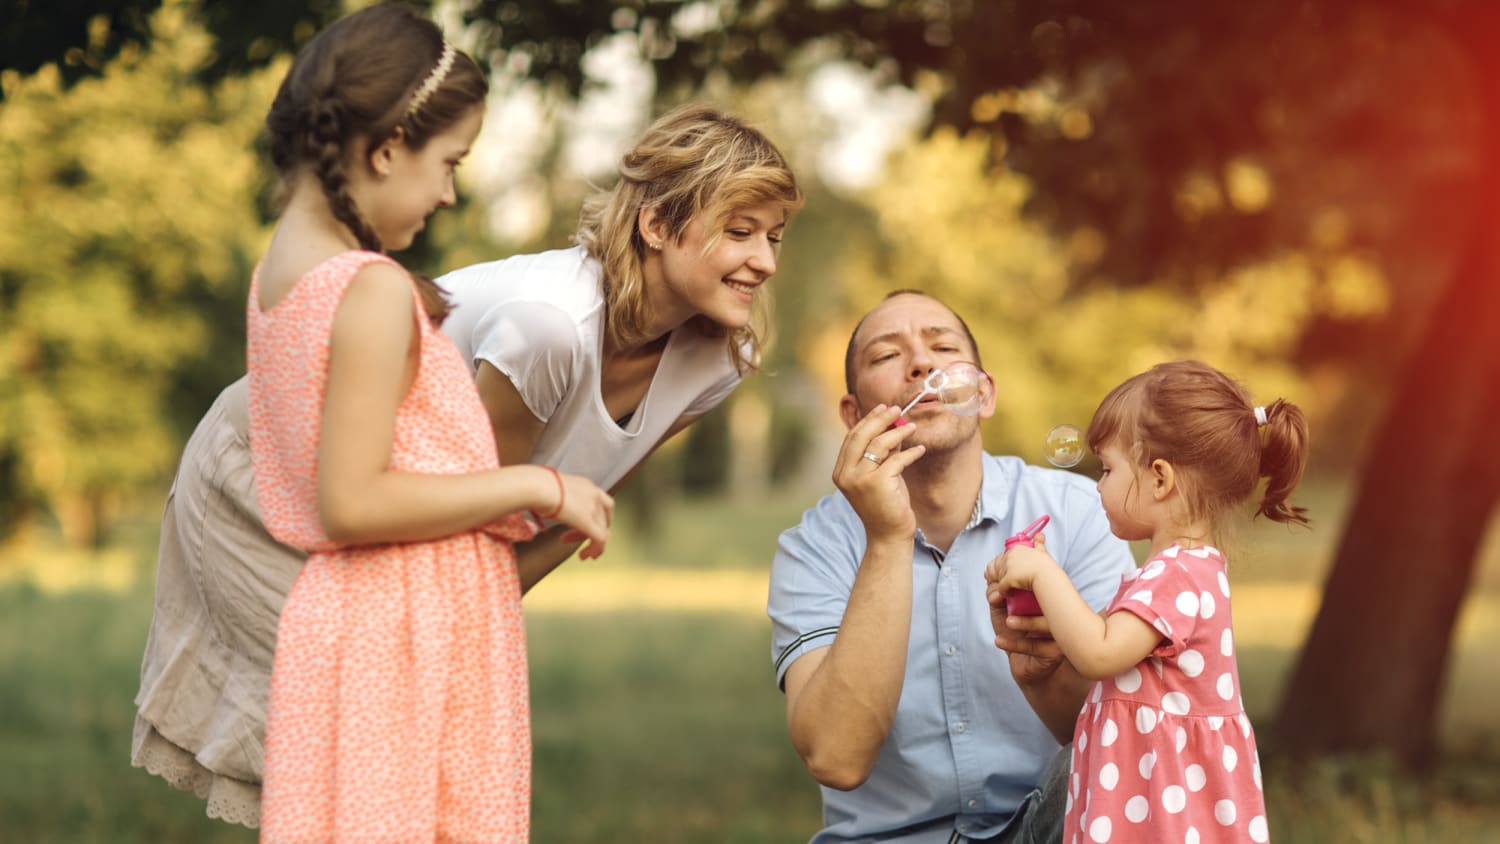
<point x="228" y="799"/>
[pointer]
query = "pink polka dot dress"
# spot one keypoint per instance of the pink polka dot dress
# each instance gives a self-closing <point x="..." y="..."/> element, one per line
<point x="398" y="706"/>
<point x="1164" y="752"/>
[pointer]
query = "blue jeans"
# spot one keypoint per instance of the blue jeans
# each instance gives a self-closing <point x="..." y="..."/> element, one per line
<point x="1040" y="818"/>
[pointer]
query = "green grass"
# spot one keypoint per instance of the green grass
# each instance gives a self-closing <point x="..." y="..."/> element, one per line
<point x="649" y="725"/>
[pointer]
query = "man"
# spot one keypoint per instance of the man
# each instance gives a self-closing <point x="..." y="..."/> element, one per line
<point x="898" y="701"/>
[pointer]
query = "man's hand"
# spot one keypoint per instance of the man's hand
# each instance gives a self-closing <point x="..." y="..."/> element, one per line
<point x="1051" y="685"/>
<point x="868" y="473"/>
<point x="1027" y="641"/>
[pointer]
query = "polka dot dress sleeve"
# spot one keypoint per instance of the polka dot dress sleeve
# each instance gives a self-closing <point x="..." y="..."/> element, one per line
<point x="1165" y="596"/>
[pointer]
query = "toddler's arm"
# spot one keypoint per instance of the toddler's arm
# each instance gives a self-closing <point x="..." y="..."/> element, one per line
<point x="1097" y="646"/>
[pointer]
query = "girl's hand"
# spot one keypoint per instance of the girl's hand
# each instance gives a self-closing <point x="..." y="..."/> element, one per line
<point x="1020" y="566"/>
<point x="587" y="510"/>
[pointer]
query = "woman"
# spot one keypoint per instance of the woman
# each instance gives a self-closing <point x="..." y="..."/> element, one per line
<point x="586" y="359"/>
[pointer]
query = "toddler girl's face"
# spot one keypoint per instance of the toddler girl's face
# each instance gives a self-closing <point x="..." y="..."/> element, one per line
<point x="1125" y="497"/>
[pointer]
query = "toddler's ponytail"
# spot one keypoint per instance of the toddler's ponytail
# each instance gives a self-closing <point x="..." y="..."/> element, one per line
<point x="1283" y="456"/>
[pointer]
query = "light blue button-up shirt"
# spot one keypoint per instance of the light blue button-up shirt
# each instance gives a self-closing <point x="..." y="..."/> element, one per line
<point x="965" y="748"/>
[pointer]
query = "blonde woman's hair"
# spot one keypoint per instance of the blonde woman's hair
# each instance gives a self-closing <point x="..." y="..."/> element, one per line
<point x="694" y="160"/>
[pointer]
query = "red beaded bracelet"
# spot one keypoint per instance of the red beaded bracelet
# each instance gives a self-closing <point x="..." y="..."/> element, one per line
<point x="561" y="494"/>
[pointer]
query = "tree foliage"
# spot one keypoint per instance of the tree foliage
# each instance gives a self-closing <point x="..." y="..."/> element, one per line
<point x="126" y="234"/>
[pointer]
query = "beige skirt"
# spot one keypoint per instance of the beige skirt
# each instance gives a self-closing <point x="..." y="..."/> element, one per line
<point x="220" y="583"/>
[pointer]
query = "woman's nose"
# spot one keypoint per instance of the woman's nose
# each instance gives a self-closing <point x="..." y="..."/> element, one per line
<point x="763" y="259"/>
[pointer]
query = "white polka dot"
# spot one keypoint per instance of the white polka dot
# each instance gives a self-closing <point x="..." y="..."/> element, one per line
<point x="1136" y="808"/>
<point x="1145" y="720"/>
<point x="1191" y="837"/>
<point x="1224" y="812"/>
<point x="1153" y="570"/>
<point x="1068" y="804"/>
<point x="1156" y="666"/>
<point x="1231" y="759"/>
<point x="1224" y="584"/>
<point x="1148" y="763"/>
<point x="1215" y="722"/>
<point x="1099" y="830"/>
<point x="1175" y="702"/>
<point x="1226" y="642"/>
<point x="1098" y="692"/>
<point x="1163" y="627"/>
<point x="1191" y="662"/>
<point x="1187" y="604"/>
<point x="1171" y="551"/>
<point x="1109" y="776"/>
<point x="1173" y="799"/>
<point x="1256" y="770"/>
<point x="1225" y="686"/>
<point x="1129" y="680"/>
<point x="1075" y="783"/>
<point x="1108" y="733"/>
<point x="1196" y="778"/>
<point x="1181" y="739"/>
<point x="1244" y="724"/>
<point x="1258" y="831"/>
<point x="1083" y="740"/>
<point x="1142" y="597"/>
<point x="1206" y="605"/>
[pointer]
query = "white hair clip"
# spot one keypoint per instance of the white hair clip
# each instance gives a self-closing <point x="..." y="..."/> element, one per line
<point x="434" y="79"/>
<point x="1260" y="415"/>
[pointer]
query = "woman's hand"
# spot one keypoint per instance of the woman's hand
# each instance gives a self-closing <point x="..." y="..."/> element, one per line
<point x="868" y="473"/>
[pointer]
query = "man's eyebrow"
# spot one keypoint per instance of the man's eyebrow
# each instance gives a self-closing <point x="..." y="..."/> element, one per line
<point x="928" y="333"/>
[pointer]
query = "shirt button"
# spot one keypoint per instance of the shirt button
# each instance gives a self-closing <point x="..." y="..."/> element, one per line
<point x="960" y="727"/>
<point x="973" y="803"/>
<point x="951" y="650"/>
<point x="947" y="571"/>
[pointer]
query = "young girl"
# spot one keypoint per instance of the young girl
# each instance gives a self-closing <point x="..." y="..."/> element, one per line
<point x="1163" y="750"/>
<point x="398" y="706"/>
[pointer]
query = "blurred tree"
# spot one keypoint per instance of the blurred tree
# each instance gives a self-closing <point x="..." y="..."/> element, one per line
<point x="127" y="230"/>
<point x="80" y="37"/>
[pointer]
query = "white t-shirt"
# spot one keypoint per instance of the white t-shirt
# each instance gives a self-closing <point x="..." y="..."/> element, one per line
<point x="539" y="319"/>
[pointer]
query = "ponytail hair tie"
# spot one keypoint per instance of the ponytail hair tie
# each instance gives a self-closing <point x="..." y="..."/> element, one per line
<point x="1260" y="415"/>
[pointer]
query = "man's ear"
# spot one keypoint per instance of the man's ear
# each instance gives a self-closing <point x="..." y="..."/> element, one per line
<point x="987" y="409"/>
<point x="849" y="410"/>
<point x="1163" y="479"/>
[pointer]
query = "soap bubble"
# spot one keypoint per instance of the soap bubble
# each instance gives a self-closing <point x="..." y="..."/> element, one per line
<point x="1064" y="448"/>
<point x="962" y="391"/>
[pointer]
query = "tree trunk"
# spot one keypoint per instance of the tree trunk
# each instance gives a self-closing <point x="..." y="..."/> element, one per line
<point x="1371" y="675"/>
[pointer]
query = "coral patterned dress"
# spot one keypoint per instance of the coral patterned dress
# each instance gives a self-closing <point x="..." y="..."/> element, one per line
<point x="398" y="707"/>
<point x="1164" y="752"/>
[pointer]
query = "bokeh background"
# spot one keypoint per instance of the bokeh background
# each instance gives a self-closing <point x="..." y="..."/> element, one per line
<point x="1301" y="193"/>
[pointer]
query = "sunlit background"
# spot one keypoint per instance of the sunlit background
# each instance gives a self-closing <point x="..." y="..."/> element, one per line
<point x="1301" y="194"/>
